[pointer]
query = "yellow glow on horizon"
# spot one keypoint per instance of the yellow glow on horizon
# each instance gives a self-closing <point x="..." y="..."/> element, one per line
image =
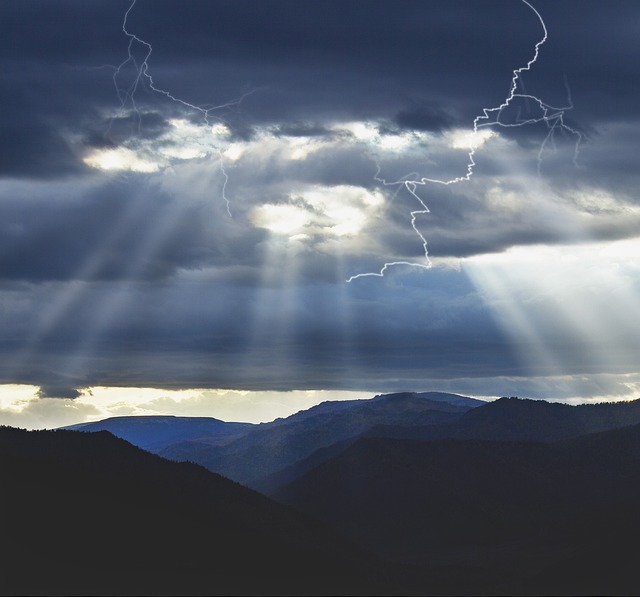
<point x="20" y="405"/>
<point x="13" y="395"/>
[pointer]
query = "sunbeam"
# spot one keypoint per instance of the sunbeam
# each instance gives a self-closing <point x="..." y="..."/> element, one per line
<point x="569" y="310"/>
<point x="493" y="144"/>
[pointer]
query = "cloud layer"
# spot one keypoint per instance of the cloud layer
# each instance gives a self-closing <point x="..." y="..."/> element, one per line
<point x="196" y="229"/>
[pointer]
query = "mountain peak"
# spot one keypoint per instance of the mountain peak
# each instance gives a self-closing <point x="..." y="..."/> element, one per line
<point x="453" y="399"/>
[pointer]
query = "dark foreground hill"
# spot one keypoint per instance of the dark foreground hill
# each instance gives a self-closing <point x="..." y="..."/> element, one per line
<point x="487" y="517"/>
<point x="90" y="514"/>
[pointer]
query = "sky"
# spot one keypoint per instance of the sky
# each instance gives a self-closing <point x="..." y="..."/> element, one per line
<point x="240" y="208"/>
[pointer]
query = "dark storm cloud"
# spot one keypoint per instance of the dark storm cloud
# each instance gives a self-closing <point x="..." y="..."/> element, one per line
<point x="589" y="43"/>
<point x="334" y="57"/>
<point x="46" y="33"/>
<point x="420" y="64"/>
<point x="115" y="131"/>
<point x="310" y="57"/>
<point x="63" y="392"/>
<point x="425" y="117"/>
<point x="303" y="129"/>
<point x="112" y="232"/>
<point x="32" y="146"/>
<point x="197" y="341"/>
<point x="353" y="56"/>
<point x="43" y="95"/>
<point x="145" y="279"/>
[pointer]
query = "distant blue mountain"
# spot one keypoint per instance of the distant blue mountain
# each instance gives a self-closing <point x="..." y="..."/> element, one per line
<point x="154" y="433"/>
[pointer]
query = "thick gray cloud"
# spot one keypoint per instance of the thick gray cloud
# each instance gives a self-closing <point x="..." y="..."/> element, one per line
<point x="63" y="392"/>
<point x="151" y="238"/>
<point x="424" y="66"/>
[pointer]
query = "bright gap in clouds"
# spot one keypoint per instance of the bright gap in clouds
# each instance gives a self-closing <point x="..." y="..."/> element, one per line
<point x="182" y="141"/>
<point x="313" y="214"/>
<point x="117" y="159"/>
<point x="341" y="210"/>
<point x="572" y="312"/>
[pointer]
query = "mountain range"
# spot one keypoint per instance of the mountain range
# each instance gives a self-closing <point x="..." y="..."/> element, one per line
<point x="252" y="454"/>
<point x="437" y="493"/>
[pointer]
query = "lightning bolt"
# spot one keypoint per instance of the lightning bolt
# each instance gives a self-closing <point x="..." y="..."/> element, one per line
<point x="142" y="78"/>
<point x="552" y="116"/>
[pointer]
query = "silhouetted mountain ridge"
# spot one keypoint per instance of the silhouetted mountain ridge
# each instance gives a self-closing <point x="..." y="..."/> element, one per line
<point x="515" y="516"/>
<point x="92" y="514"/>
<point x="272" y="447"/>
<point x="519" y="419"/>
<point x="457" y="496"/>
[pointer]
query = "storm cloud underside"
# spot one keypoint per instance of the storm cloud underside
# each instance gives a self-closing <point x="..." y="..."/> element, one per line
<point x="120" y="264"/>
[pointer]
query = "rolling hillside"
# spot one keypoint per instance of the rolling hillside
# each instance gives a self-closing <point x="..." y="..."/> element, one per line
<point x="90" y="514"/>
<point x="508" y="516"/>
